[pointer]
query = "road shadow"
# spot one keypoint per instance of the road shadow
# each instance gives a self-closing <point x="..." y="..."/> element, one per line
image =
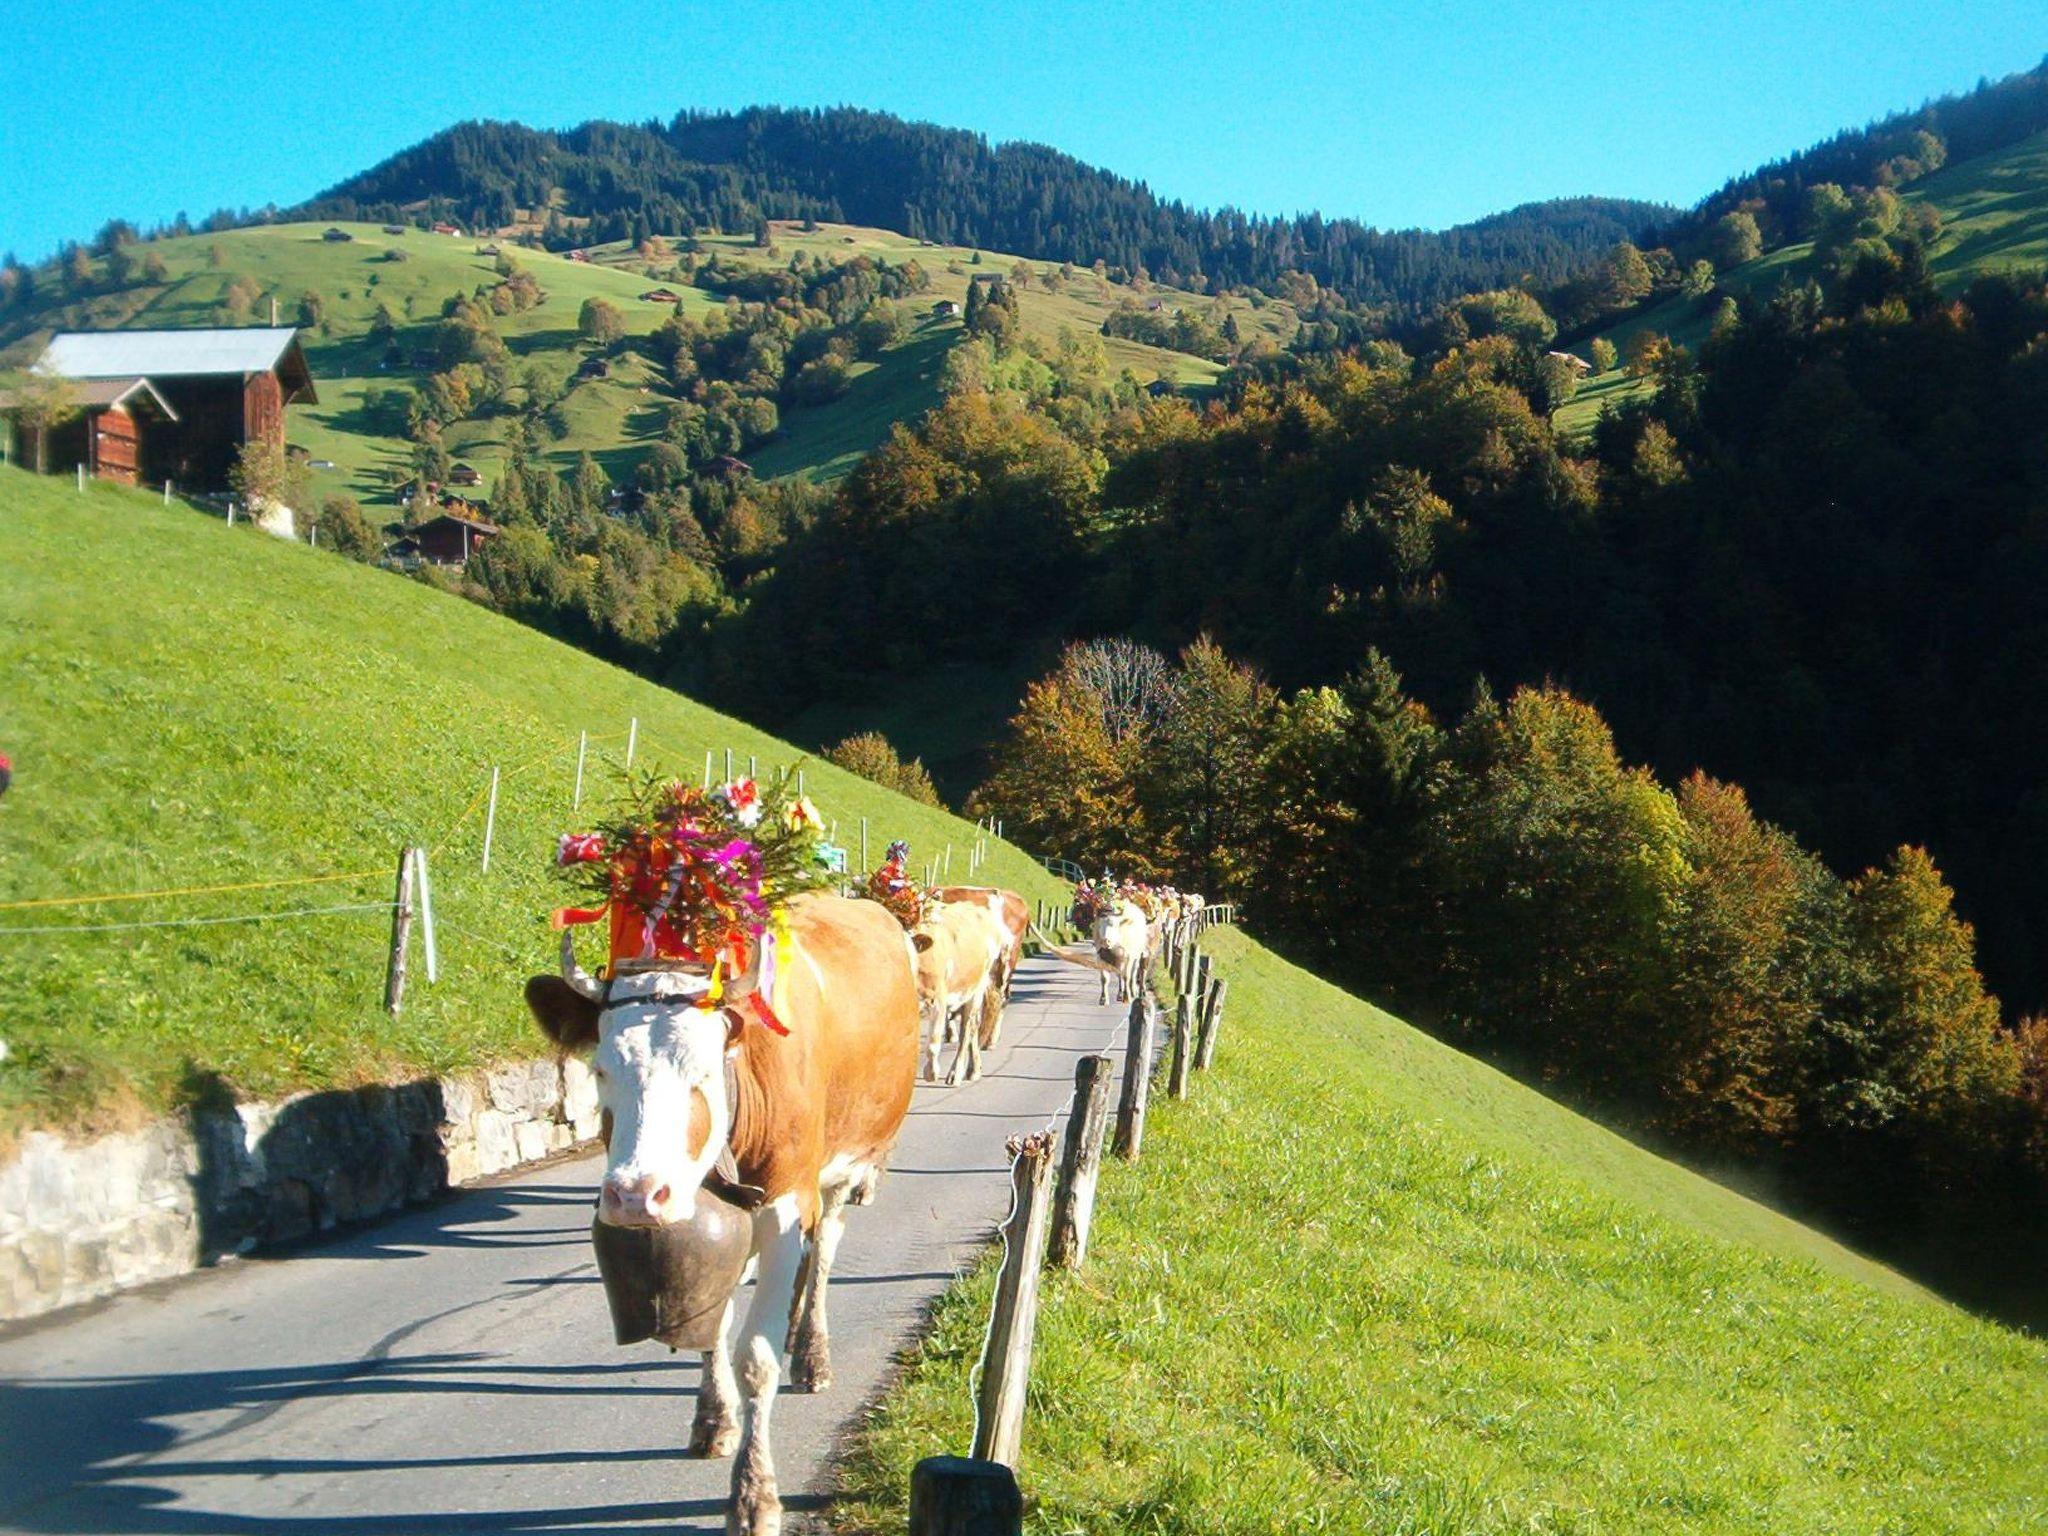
<point x="121" y="1476"/>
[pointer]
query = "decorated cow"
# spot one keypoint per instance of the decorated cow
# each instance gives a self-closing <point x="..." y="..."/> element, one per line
<point x="754" y="1041"/>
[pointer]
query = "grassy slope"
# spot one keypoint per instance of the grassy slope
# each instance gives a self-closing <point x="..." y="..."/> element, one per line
<point x="288" y="260"/>
<point x="1362" y="1283"/>
<point x="1994" y="213"/>
<point x="613" y="418"/>
<point x="188" y="704"/>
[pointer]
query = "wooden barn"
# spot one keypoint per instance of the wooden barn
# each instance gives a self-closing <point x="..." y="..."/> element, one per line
<point x="104" y="434"/>
<point x="449" y="539"/>
<point x="218" y="389"/>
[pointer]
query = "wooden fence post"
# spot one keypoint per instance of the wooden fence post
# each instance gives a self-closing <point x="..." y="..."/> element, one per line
<point x="1183" y="1047"/>
<point x="1130" y="1109"/>
<point x="1212" y="1021"/>
<point x="582" y="746"/>
<point x="1073" y="1199"/>
<point x="401" y="933"/>
<point x="1203" y="978"/>
<point x="632" y="738"/>
<point x="1006" y="1364"/>
<point x="957" y="1496"/>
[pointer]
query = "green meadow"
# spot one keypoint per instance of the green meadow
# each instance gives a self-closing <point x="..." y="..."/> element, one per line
<point x="193" y="705"/>
<point x="1361" y="1282"/>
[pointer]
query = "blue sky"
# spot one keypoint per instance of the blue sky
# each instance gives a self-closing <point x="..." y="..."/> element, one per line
<point x="1403" y="115"/>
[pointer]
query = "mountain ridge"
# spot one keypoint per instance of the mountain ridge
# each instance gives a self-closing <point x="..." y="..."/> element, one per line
<point x="951" y="186"/>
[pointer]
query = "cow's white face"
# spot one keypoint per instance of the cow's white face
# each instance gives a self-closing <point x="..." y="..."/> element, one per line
<point x="660" y="1070"/>
<point x="659" y="1064"/>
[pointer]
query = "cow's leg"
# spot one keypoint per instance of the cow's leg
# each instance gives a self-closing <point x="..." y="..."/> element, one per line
<point x="932" y="1042"/>
<point x="716" y="1429"/>
<point x="810" y="1358"/>
<point x="1104" y="998"/>
<point x="967" y="1055"/>
<point x="993" y="1005"/>
<point x="779" y="1240"/>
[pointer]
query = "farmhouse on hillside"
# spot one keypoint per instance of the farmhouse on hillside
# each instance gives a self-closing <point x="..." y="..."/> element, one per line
<point x="448" y="539"/>
<point x="177" y="406"/>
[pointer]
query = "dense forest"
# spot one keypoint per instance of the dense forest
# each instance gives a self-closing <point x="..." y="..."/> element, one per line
<point x="1505" y="875"/>
<point x="611" y="181"/>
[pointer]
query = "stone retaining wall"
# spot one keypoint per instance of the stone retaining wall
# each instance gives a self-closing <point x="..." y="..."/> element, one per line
<point x="81" y="1221"/>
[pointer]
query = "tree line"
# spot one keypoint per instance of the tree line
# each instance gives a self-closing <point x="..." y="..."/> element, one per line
<point x="1505" y="876"/>
<point x="728" y="171"/>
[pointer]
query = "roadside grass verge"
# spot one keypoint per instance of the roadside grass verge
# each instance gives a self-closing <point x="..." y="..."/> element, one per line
<point x="192" y="705"/>
<point x="1361" y="1282"/>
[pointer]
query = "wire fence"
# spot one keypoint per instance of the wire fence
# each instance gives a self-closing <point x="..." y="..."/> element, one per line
<point x="575" y="756"/>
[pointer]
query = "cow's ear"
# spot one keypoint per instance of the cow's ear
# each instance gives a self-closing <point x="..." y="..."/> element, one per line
<point x="920" y="942"/>
<point x="565" y="1015"/>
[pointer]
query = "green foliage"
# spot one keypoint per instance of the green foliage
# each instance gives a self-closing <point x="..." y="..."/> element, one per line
<point x="265" y="476"/>
<point x="345" y="531"/>
<point x="600" y="321"/>
<point x="1734" y="239"/>
<point x="870" y="755"/>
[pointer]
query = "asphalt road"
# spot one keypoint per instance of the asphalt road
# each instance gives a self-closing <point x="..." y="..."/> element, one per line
<point x="453" y="1370"/>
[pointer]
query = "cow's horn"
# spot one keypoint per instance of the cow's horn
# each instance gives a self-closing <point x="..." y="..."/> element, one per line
<point x="581" y="980"/>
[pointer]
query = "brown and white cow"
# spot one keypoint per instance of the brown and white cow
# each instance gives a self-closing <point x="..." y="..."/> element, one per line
<point x="810" y="1122"/>
<point x="1013" y="911"/>
<point x="962" y="967"/>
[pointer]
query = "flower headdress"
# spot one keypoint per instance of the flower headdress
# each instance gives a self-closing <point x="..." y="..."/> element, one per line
<point x="698" y="876"/>
<point x="895" y="890"/>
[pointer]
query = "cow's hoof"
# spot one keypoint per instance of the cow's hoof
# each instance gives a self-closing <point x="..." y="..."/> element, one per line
<point x="810" y="1375"/>
<point x="754" y="1514"/>
<point x="714" y="1439"/>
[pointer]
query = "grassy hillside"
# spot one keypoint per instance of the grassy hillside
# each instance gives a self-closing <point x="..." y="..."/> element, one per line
<point x="1363" y="1283"/>
<point x="613" y="418"/>
<point x="1994" y="218"/>
<point x="194" y="705"/>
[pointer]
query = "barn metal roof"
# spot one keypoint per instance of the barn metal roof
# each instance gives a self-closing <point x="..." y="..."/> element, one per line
<point x="168" y="354"/>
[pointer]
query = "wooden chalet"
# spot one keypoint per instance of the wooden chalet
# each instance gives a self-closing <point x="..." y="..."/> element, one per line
<point x="945" y="309"/>
<point x="177" y="405"/>
<point x="661" y="296"/>
<point x="464" y="474"/>
<point x="448" y="539"/>
<point x="105" y="435"/>
<point x="726" y="467"/>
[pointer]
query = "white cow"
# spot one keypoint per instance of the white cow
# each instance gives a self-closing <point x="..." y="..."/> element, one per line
<point x="1122" y="937"/>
